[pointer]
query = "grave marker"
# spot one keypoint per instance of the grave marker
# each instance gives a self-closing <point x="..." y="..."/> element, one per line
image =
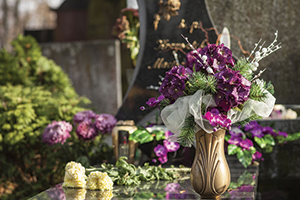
<point x="162" y="23"/>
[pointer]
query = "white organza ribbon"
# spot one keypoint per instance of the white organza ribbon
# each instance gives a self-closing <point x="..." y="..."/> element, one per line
<point x="174" y="115"/>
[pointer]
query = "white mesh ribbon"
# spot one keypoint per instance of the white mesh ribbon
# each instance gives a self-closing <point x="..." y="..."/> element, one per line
<point x="174" y="115"/>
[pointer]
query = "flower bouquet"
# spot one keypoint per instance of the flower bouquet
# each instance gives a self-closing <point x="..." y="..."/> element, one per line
<point x="202" y="99"/>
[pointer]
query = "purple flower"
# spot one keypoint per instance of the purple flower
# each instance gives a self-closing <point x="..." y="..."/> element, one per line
<point x="246" y="144"/>
<point x="235" y="141"/>
<point x="86" y="131"/>
<point x="236" y="132"/>
<point x="217" y="57"/>
<point x="257" y="156"/>
<point x="171" y="146"/>
<point x="153" y="102"/>
<point x="246" y="188"/>
<point x="163" y="159"/>
<point x="56" y="132"/>
<point x="216" y="118"/>
<point x="56" y="193"/>
<point x="251" y="125"/>
<point x="174" y="83"/>
<point x="284" y="134"/>
<point x="160" y="150"/>
<point x="232" y="90"/>
<point x="257" y="131"/>
<point x="269" y="130"/>
<point x="105" y="123"/>
<point x="84" y="115"/>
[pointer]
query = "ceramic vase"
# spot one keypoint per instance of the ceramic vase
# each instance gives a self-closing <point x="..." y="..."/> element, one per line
<point x="210" y="175"/>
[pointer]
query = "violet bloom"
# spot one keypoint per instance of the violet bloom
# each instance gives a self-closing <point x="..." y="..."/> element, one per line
<point x="153" y="102"/>
<point x="174" y="83"/>
<point x="284" y="134"/>
<point x="84" y="115"/>
<point x="235" y="141"/>
<point x="232" y="90"/>
<point x="217" y="57"/>
<point x="251" y="125"/>
<point x="163" y="159"/>
<point x="171" y="146"/>
<point x="246" y="144"/>
<point x="269" y="130"/>
<point x="160" y="150"/>
<point x="257" y="156"/>
<point x="86" y="131"/>
<point x="105" y="123"/>
<point x="257" y="131"/>
<point x="56" y="132"/>
<point x="217" y="119"/>
<point x="172" y="187"/>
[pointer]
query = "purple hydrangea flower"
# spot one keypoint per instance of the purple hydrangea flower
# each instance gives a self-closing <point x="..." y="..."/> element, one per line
<point x="269" y="130"/>
<point x="232" y="90"/>
<point x="217" y="57"/>
<point x="284" y="134"/>
<point x="251" y="125"/>
<point x="163" y="159"/>
<point x="105" y="123"/>
<point x="56" y="132"/>
<point x="174" y="83"/>
<point x="86" y="131"/>
<point x="84" y="115"/>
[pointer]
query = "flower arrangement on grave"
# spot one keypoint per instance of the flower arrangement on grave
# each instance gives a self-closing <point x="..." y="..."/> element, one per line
<point x="127" y="30"/>
<point x="86" y="144"/>
<point x="213" y="92"/>
<point x="202" y="99"/>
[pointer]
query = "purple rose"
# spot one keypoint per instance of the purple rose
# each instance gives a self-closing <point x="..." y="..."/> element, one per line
<point x="86" y="131"/>
<point x="56" y="132"/>
<point x="105" y="123"/>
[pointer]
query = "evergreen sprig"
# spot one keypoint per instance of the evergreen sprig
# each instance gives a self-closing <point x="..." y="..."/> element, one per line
<point x="257" y="91"/>
<point x="200" y="81"/>
<point x="243" y="66"/>
<point x="187" y="135"/>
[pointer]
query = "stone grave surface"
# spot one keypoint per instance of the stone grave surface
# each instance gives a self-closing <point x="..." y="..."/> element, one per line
<point x="160" y="36"/>
<point x="94" y="69"/>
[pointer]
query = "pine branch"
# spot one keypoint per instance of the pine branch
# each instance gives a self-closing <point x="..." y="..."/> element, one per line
<point x="257" y="92"/>
<point x="200" y="81"/>
<point x="246" y="121"/>
<point x="187" y="135"/>
<point x="244" y="67"/>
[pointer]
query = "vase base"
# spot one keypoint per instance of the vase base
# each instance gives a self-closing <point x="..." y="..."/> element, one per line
<point x="209" y="197"/>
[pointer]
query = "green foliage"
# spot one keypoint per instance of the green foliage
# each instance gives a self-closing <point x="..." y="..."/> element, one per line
<point x="200" y="81"/>
<point x="257" y="91"/>
<point x="243" y="66"/>
<point x="142" y="135"/>
<point x="34" y="91"/>
<point x="187" y="135"/>
<point x="127" y="174"/>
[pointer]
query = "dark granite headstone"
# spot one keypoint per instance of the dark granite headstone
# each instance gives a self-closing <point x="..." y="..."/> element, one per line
<point x="94" y="69"/>
<point x="160" y="35"/>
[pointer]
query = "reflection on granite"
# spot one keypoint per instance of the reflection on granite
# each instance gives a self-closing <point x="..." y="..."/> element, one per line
<point x="243" y="187"/>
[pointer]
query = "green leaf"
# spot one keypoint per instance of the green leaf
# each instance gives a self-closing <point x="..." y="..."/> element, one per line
<point x="245" y="157"/>
<point x="261" y="142"/>
<point x="292" y="137"/>
<point x="233" y="149"/>
<point x="269" y="140"/>
<point x="141" y="136"/>
<point x="159" y="135"/>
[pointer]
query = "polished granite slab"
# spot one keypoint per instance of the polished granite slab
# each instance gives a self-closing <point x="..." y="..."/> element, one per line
<point x="243" y="186"/>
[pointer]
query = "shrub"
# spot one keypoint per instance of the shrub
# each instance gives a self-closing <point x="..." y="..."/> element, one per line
<point x="34" y="91"/>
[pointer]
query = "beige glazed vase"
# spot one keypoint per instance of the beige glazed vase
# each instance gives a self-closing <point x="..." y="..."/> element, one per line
<point x="210" y="175"/>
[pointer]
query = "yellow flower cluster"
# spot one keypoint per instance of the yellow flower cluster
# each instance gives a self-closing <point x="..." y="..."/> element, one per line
<point x="74" y="175"/>
<point x="99" y="181"/>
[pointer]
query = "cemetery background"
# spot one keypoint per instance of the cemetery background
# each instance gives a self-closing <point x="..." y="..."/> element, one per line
<point x="249" y="21"/>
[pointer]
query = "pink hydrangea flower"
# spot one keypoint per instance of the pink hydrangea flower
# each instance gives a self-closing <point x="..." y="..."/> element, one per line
<point x="57" y="132"/>
<point x="86" y="131"/>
